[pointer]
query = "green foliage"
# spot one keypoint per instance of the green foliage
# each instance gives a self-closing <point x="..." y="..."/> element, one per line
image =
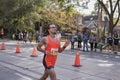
<point x="22" y="14"/>
<point x="19" y="14"/>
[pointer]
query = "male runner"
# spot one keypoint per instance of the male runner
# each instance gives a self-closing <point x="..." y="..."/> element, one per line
<point x="52" y="48"/>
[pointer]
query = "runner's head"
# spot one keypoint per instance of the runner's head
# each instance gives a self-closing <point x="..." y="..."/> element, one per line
<point x="52" y="29"/>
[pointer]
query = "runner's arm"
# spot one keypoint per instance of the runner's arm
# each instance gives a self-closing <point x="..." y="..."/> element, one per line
<point x="64" y="46"/>
<point x="42" y="42"/>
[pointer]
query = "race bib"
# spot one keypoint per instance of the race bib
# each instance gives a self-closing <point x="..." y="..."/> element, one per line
<point x="54" y="51"/>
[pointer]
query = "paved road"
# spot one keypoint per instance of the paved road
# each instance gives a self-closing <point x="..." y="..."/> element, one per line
<point x="95" y="66"/>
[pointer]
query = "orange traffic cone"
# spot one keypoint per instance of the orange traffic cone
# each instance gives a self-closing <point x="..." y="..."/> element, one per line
<point x="3" y="46"/>
<point x="17" y="48"/>
<point x="77" y="60"/>
<point x="34" y="52"/>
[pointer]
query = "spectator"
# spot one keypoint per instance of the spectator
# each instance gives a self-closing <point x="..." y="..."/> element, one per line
<point x="72" y="40"/>
<point x="101" y="46"/>
<point x="116" y="42"/>
<point x="79" y="39"/>
<point x="20" y="36"/>
<point x="91" y="41"/>
<point x="103" y="39"/>
<point x="58" y="35"/>
<point x="30" y="37"/>
<point x="110" y="42"/>
<point x="36" y="36"/>
<point x="95" y="42"/>
<point x="25" y="36"/>
<point x="13" y="36"/>
<point x="85" y="41"/>
<point x="16" y="36"/>
<point x="39" y="38"/>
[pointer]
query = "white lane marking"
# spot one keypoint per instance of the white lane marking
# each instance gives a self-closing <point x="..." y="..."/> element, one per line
<point x="105" y="65"/>
<point x="24" y="77"/>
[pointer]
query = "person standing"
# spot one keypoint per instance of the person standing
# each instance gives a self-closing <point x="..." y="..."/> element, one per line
<point x="110" y="42"/>
<point x="85" y="41"/>
<point x="30" y="37"/>
<point x="58" y="34"/>
<point x="91" y="41"/>
<point x="116" y="42"/>
<point x="39" y="38"/>
<point x="96" y="43"/>
<point x="79" y="39"/>
<point x="52" y="48"/>
<point x="101" y="44"/>
<point x="25" y="36"/>
<point x="36" y="36"/>
<point x="72" y="40"/>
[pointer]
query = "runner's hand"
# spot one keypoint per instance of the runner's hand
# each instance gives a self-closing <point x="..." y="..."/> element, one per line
<point x="67" y="42"/>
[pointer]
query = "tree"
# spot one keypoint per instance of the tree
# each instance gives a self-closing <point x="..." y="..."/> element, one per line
<point x="59" y="15"/>
<point x="19" y="14"/>
<point x="22" y="14"/>
<point x="110" y="11"/>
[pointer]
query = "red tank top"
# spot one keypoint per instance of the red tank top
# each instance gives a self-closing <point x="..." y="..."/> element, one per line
<point x="52" y="46"/>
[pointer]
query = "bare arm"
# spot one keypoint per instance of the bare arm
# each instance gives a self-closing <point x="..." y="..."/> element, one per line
<point x="64" y="46"/>
<point x="42" y="42"/>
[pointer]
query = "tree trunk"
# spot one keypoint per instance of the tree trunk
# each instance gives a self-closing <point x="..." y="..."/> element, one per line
<point x="110" y="27"/>
<point x="111" y="24"/>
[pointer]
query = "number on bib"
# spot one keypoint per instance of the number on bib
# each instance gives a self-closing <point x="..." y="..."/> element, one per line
<point x="54" y="51"/>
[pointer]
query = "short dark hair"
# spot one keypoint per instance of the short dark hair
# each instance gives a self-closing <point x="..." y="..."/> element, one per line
<point x="48" y="27"/>
<point x="50" y="23"/>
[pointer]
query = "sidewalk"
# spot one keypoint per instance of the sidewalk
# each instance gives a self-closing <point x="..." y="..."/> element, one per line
<point x="97" y="51"/>
<point x="69" y="47"/>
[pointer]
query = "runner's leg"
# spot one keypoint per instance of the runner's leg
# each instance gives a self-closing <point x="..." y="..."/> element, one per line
<point x="52" y="73"/>
<point x="44" y="76"/>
